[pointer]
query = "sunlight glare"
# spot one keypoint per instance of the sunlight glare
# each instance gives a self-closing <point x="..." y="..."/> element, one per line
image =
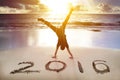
<point x="82" y="38"/>
<point x="87" y="5"/>
<point x="47" y="38"/>
<point x="58" y="6"/>
<point x="86" y="38"/>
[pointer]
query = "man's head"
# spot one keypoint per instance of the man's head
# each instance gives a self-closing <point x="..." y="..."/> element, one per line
<point x="62" y="47"/>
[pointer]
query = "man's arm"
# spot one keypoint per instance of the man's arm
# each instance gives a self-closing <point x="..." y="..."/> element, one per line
<point x="67" y="18"/>
<point x="47" y="23"/>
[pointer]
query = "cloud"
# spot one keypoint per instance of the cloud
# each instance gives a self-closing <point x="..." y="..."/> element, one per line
<point x="106" y="8"/>
<point x="14" y="3"/>
<point x="33" y="8"/>
<point x="18" y="6"/>
<point x="21" y="6"/>
<point x="103" y="7"/>
<point x="9" y="10"/>
<point x="116" y="9"/>
<point x="110" y="2"/>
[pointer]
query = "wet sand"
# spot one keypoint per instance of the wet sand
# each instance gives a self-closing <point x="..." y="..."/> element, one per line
<point x="11" y="39"/>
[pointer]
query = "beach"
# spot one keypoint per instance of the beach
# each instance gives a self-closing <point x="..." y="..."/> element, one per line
<point x="60" y="40"/>
<point x="34" y="48"/>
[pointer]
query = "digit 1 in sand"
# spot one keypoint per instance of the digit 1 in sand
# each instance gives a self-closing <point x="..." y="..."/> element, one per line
<point x="80" y="67"/>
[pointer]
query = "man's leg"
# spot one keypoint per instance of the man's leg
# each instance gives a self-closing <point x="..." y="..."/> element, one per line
<point x="48" y="24"/>
<point x="71" y="56"/>
<point x="55" y="55"/>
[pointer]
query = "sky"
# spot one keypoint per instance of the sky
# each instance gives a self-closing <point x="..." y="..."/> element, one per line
<point x="36" y="6"/>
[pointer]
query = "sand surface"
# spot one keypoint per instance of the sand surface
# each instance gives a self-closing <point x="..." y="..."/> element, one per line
<point x="39" y="57"/>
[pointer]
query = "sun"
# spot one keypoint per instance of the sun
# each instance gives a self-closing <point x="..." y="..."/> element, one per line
<point x="58" y="6"/>
<point x="62" y="6"/>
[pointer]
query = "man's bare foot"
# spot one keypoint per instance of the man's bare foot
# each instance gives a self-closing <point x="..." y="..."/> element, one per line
<point x="54" y="57"/>
<point x="40" y="19"/>
<point x="71" y="57"/>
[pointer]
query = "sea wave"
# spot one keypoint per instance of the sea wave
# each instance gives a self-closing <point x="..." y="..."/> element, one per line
<point x="76" y="24"/>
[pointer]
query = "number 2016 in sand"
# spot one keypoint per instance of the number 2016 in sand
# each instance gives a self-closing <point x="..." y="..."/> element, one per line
<point x="30" y="64"/>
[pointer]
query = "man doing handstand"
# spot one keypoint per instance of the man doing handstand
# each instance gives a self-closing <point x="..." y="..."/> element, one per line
<point x="60" y="32"/>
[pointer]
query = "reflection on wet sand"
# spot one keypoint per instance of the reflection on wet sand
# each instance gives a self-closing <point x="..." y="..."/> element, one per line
<point x="47" y="38"/>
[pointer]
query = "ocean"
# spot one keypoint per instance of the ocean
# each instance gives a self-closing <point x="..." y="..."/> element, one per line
<point x="84" y="21"/>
